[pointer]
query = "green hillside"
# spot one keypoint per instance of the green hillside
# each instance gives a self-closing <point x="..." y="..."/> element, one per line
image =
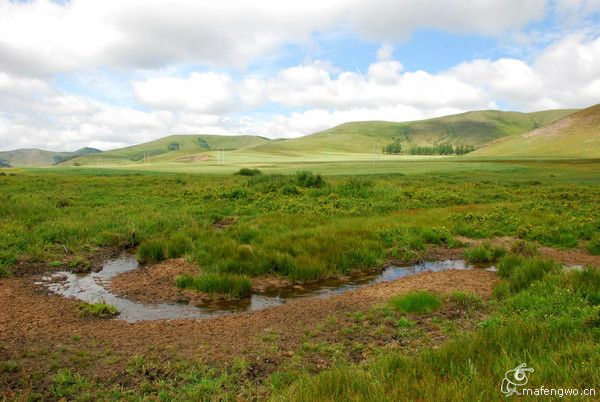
<point x="576" y="135"/>
<point x="40" y="157"/>
<point x="471" y="128"/>
<point x="175" y="148"/>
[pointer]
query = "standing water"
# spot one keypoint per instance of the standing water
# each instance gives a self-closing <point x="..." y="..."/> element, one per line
<point x="94" y="287"/>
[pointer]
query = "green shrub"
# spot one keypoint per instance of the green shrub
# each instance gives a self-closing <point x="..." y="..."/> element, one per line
<point x="484" y="254"/>
<point x="178" y="246"/>
<point x="248" y="172"/>
<point x="593" y="246"/>
<point x="237" y="286"/>
<point x="309" y="179"/>
<point x="416" y="302"/>
<point x="98" y="310"/>
<point x="151" y="251"/>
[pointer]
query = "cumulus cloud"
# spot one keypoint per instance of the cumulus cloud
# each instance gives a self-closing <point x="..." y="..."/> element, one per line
<point x="41" y="37"/>
<point x="209" y="93"/>
<point x="148" y="45"/>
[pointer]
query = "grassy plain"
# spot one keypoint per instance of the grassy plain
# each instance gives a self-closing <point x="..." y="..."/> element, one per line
<point x="296" y="226"/>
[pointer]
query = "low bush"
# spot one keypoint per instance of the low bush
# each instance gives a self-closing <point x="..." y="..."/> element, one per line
<point x="98" y="310"/>
<point x="248" y="172"/>
<point x="485" y="253"/>
<point x="151" y="251"/>
<point x="416" y="302"/>
<point x="309" y="179"/>
<point x="237" y="286"/>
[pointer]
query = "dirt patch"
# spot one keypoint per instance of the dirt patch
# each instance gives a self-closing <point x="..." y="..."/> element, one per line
<point x="576" y="256"/>
<point x="224" y="223"/>
<point x="34" y="321"/>
<point x="156" y="284"/>
<point x="194" y="158"/>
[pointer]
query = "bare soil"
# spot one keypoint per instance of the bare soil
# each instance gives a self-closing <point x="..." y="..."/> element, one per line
<point x="36" y="328"/>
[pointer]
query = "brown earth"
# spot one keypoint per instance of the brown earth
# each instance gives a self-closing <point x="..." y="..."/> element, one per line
<point x="35" y="326"/>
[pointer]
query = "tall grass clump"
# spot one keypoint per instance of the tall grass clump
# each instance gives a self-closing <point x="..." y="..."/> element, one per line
<point x="248" y="172"/>
<point x="520" y="272"/>
<point x="483" y="254"/>
<point x="178" y="246"/>
<point x="151" y="251"/>
<point x="237" y="286"/>
<point x="416" y="302"/>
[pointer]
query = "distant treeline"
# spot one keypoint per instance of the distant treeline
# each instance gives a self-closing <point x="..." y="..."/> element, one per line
<point x="396" y="148"/>
<point x="4" y="163"/>
<point x="441" y="150"/>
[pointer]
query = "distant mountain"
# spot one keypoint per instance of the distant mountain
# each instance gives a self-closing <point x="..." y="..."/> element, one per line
<point x="175" y="148"/>
<point x="40" y="157"/>
<point x="472" y="128"/>
<point x="576" y="135"/>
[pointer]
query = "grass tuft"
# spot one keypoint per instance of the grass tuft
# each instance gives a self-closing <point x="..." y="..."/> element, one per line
<point x="98" y="310"/>
<point x="416" y="302"/>
<point x="483" y="254"/>
<point x="151" y="251"/>
<point x="465" y="299"/>
<point x="237" y="286"/>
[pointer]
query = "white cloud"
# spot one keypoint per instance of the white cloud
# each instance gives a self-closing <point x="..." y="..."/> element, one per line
<point x="209" y="93"/>
<point x="42" y="37"/>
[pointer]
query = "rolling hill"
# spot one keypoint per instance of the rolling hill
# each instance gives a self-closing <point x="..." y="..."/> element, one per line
<point x="576" y="135"/>
<point x="174" y="148"/>
<point x="471" y="128"/>
<point x="40" y="157"/>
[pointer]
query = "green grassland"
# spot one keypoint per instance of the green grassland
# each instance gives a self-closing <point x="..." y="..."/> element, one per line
<point x="303" y="227"/>
<point x="576" y="135"/>
<point x="292" y="226"/>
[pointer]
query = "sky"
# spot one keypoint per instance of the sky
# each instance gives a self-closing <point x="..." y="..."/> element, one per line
<point x="113" y="73"/>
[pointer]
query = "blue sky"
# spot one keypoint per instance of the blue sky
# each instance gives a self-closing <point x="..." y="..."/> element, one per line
<point x="112" y="73"/>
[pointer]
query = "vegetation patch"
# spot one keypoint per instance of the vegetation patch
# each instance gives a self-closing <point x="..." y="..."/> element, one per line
<point x="416" y="302"/>
<point x="151" y="251"/>
<point x="593" y="246"/>
<point x="486" y="253"/>
<point x="237" y="286"/>
<point x="248" y="172"/>
<point x="98" y="310"/>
